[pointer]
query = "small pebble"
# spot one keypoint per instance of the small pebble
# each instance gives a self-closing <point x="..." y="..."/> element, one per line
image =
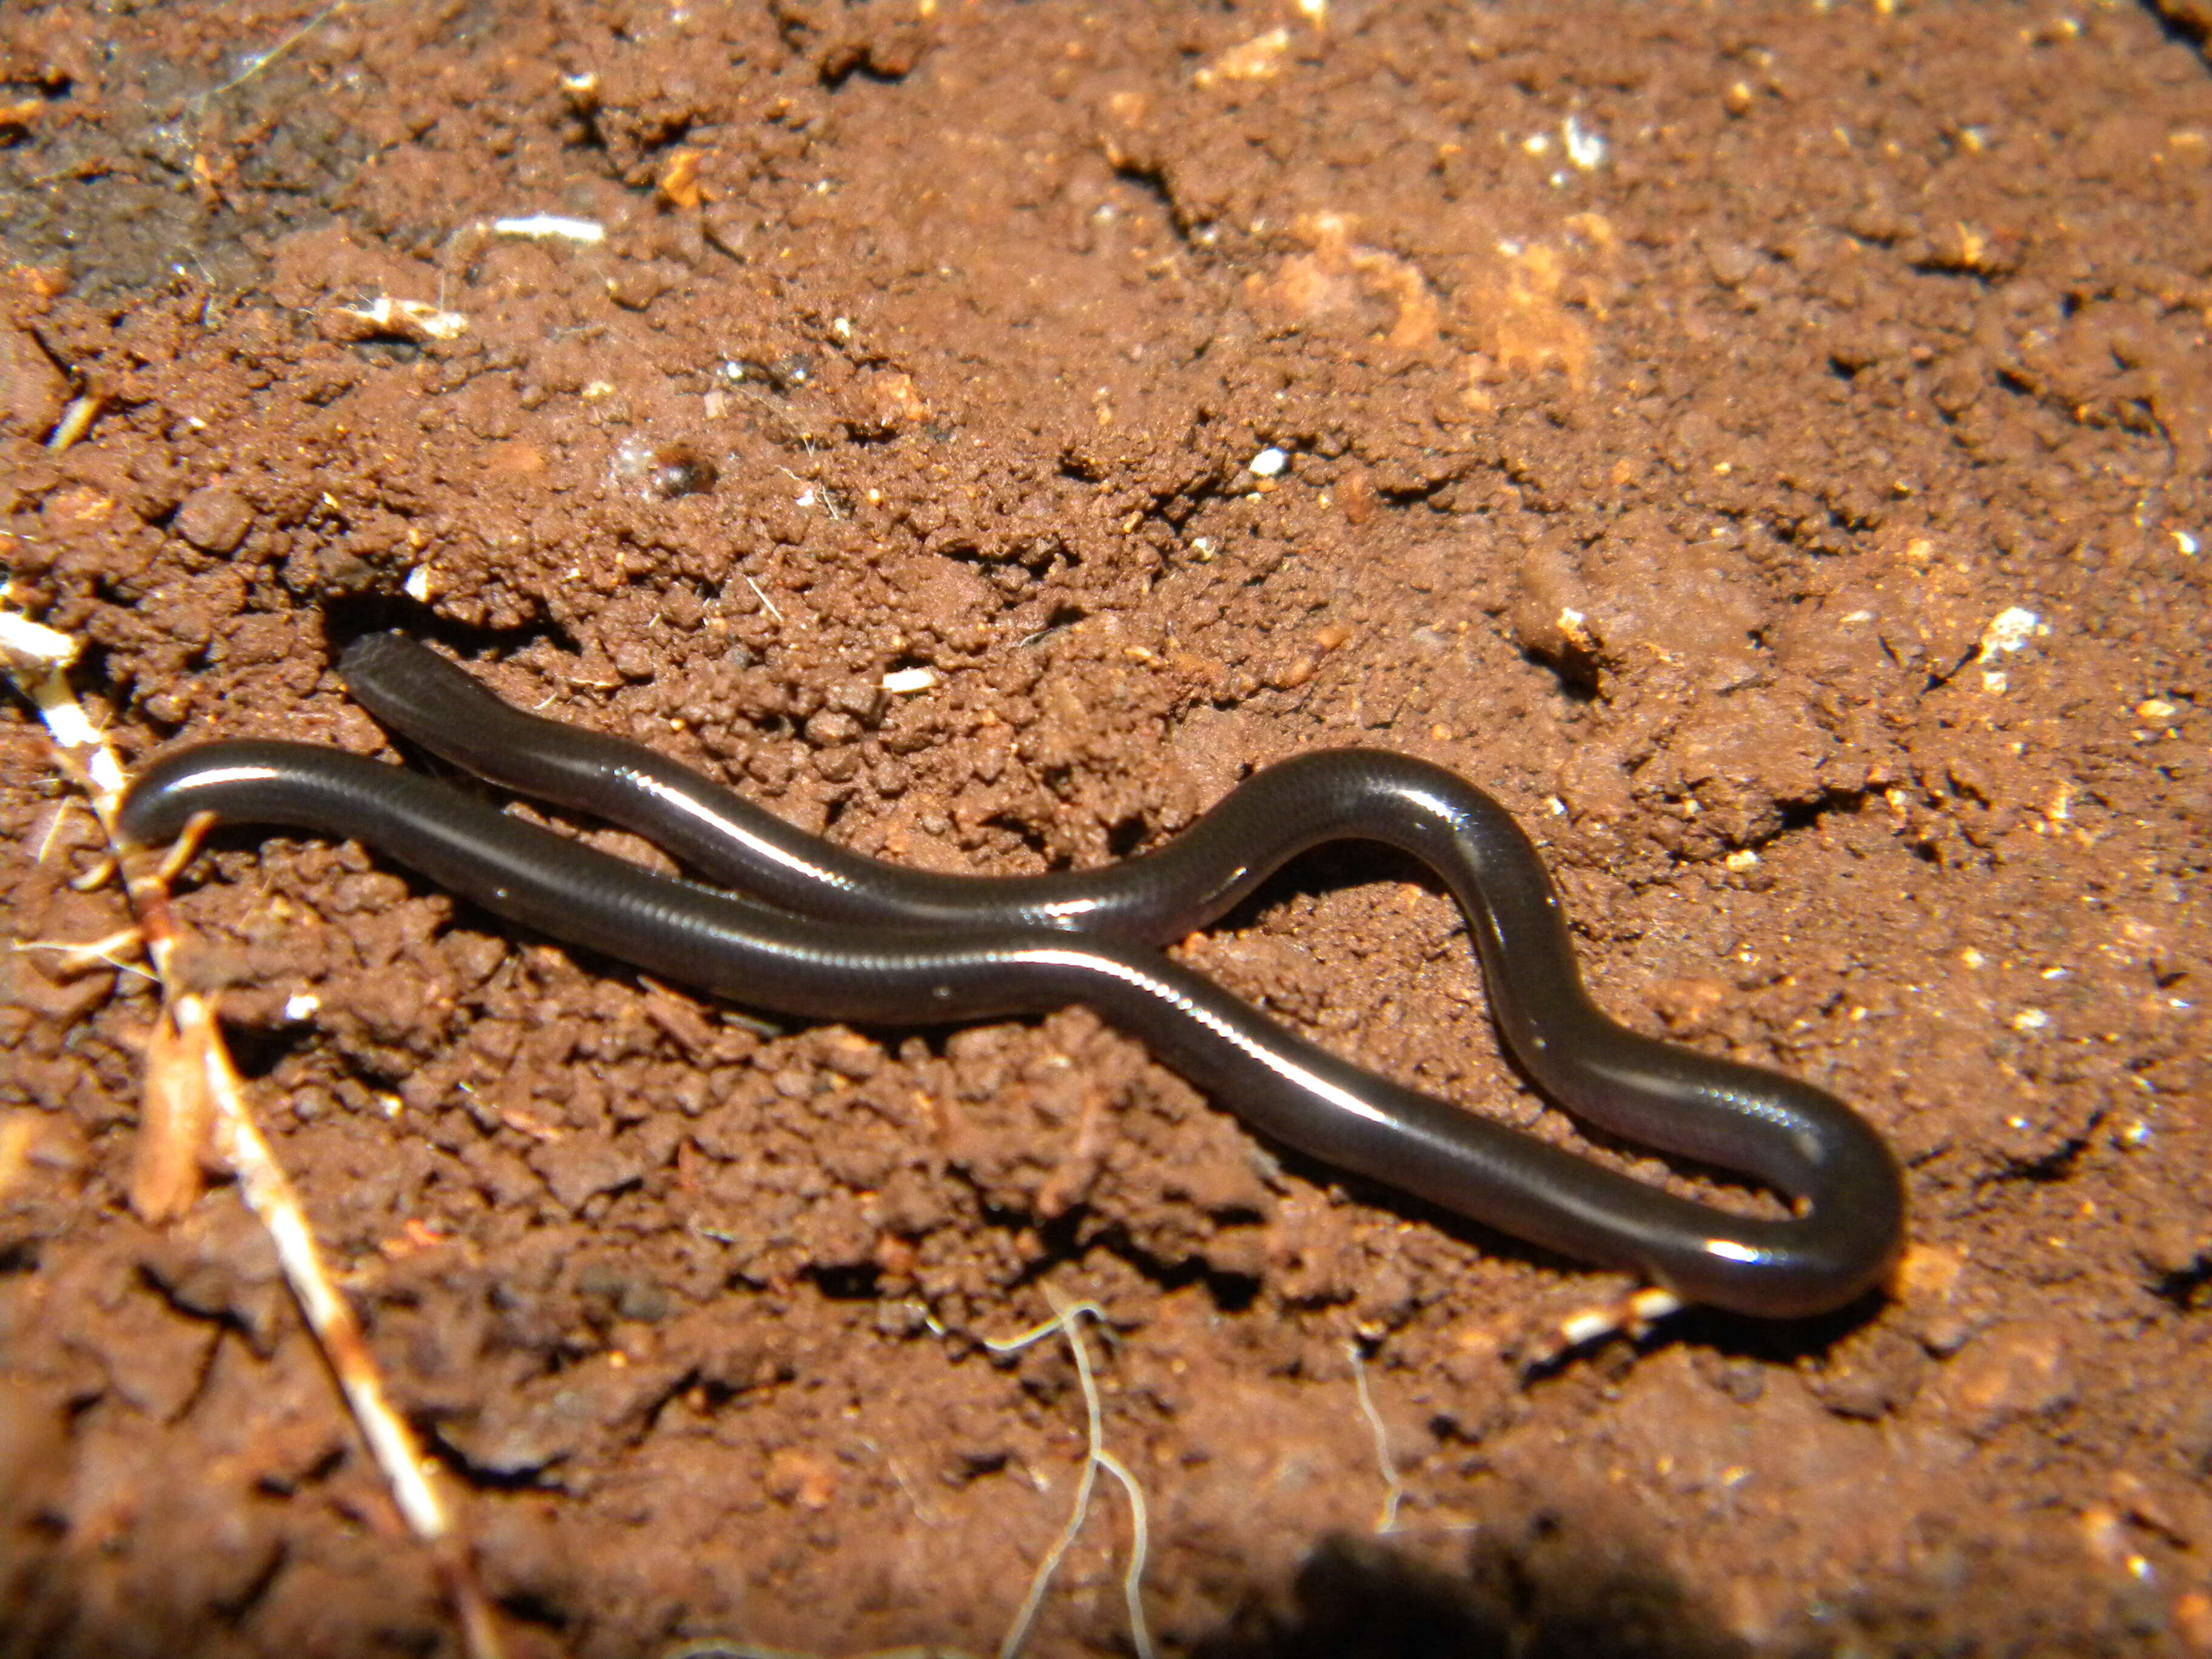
<point x="214" y="519"/>
<point x="32" y="392"/>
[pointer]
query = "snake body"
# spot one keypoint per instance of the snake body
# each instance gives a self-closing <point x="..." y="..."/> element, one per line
<point x="826" y="933"/>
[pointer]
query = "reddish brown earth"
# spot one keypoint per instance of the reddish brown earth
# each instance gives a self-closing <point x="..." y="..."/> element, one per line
<point x="1767" y="446"/>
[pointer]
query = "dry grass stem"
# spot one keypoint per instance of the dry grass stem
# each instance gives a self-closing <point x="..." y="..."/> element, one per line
<point x="193" y="1093"/>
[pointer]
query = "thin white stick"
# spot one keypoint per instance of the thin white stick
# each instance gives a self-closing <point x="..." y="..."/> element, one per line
<point x="764" y="598"/>
<point x="254" y="65"/>
<point x="82" y="959"/>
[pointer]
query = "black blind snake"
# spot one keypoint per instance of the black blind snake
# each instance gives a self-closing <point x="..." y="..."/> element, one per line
<point x="835" y="935"/>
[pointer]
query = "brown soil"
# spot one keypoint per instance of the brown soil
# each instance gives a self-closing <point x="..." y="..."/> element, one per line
<point x="1767" y="446"/>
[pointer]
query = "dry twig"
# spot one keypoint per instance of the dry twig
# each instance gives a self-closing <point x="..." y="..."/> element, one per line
<point x="193" y="1089"/>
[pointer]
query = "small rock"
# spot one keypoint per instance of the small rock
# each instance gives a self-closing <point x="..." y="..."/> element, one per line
<point x="831" y="726"/>
<point x="1754" y="749"/>
<point x="884" y="403"/>
<point x="32" y="392"/>
<point x="214" y="519"/>
<point x="800" y="1477"/>
<point x="1551" y="604"/>
<point x="1874" y="1377"/>
<point x="583" y="1163"/>
<point x="2014" y="1370"/>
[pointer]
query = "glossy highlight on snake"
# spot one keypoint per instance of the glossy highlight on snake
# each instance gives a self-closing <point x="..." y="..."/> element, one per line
<point x="822" y="932"/>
